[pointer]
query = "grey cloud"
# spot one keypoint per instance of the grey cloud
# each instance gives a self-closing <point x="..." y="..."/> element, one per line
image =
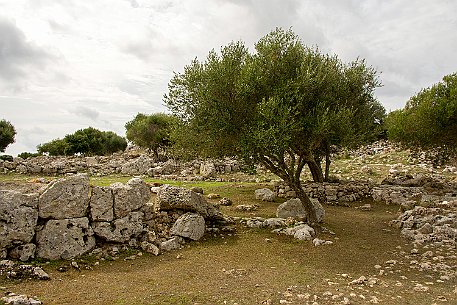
<point x="17" y="54"/>
<point x="133" y="3"/>
<point x="86" y="112"/>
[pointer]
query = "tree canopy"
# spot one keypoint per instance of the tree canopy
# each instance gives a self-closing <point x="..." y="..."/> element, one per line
<point x="88" y="141"/>
<point x="150" y="131"/>
<point x="429" y="118"/>
<point x="7" y="134"/>
<point x="280" y="106"/>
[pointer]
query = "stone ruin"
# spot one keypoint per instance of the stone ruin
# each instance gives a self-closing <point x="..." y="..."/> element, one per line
<point x="127" y="163"/>
<point x="69" y="218"/>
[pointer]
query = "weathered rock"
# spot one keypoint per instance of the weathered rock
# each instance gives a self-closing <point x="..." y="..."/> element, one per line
<point x="65" y="198"/>
<point x="13" y="299"/>
<point x="65" y="238"/>
<point x="301" y="232"/>
<point x="265" y="195"/>
<point x="171" y="198"/>
<point x="150" y="248"/>
<point x="225" y="202"/>
<point x="294" y="208"/>
<point x="247" y="207"/>
<point x="120" y="230"/>
<point x="129" y="197"/>
<point x="18" y="218"/>
<point x="189" y="225"/>
<point x="23" y="252"/>
<point x="197" y="189"/>
<point x="273" y="223"/>
<point x="173" y="243"/>
<point x="137" y="166"/>
<point x="101" y="204"/>
<point x="291" y="208"/>
<point x="207" y="169"/>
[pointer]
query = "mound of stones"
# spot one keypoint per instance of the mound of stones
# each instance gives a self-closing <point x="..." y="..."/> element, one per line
<point x="70" y="218"/>
<point x="435" y="221"/>
<point x="127" y="163"/>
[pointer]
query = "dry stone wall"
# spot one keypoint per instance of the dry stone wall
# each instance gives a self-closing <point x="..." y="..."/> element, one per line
<point x="120" y="163"/>
<point x="70" y="217"/>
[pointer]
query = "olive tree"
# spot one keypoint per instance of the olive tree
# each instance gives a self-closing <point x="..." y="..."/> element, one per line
<point x="7" y="134"/>
<point x="278" y="106"/>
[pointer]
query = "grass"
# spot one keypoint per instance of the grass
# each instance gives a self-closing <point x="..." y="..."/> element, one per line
<point x="251" y="266"/>
<point x="255" y="266"/>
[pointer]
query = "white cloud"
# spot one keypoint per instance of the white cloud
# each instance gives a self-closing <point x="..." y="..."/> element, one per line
<point x="72" y="63"/>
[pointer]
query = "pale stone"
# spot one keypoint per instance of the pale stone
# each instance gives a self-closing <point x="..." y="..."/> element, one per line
<point x="23" y="252"/>
<point x="18" y="218"/>
<point x="265" y="194"/>
<point x="129" y="197"/>
<point x="65" y="238"/>
<point x="173" y="243"/>
<point x="150" y="248"/>
<point x="172" y="198"/>
<point x="120" y="230"/>
<point x="189" y="225"/>
<point x="65" y="198"/>
<point x="101" y="204"/>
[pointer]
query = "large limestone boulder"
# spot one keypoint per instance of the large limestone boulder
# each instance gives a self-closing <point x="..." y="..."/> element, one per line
<point x="138" y="166"/>
<point x="101" y="204"/>
<point x="120" y="230"/>
<point x="23" y="252"/>
<point x="18" y="218"/>
<point x="65" y="198"/>
<point x="171" y="198"/>
<point x="65" y="238"/>
<point x="294" y="208"/>
<point x="265" y="195"/>
<point x="129" y="197"/>
<point x="207" y="169"/>
<point x="189" y="225"/>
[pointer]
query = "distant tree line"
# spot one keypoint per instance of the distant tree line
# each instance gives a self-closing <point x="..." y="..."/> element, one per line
<point x="88" y="141"/>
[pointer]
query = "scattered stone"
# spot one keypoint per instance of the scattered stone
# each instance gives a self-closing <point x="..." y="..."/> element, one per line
<point x="265" y="194"/>
<point x="225" y="202"/>
<point x="13" y="299"/>
<point x="360" y="281"/>
<point x="189" y="225"/>
<point x="318" y="242"/>
<point x="247" y="207"/>
<point x="365" y="207"/>
<point x="213" y="196"/>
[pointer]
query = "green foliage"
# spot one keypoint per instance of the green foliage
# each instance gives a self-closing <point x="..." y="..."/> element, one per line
<point x="88" y="141"/>
<point x="26" y="155"/>
<point x="6" y="158"/>
<point x="281" y="106"/>
<point x="150" y="131"/>
<point x="429" y="118"/>
<point x="285" y="98"/>
<point x="7" y="134"/>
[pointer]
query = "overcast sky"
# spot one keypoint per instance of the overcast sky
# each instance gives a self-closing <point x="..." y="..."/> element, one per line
<point x="70" y="64"/>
